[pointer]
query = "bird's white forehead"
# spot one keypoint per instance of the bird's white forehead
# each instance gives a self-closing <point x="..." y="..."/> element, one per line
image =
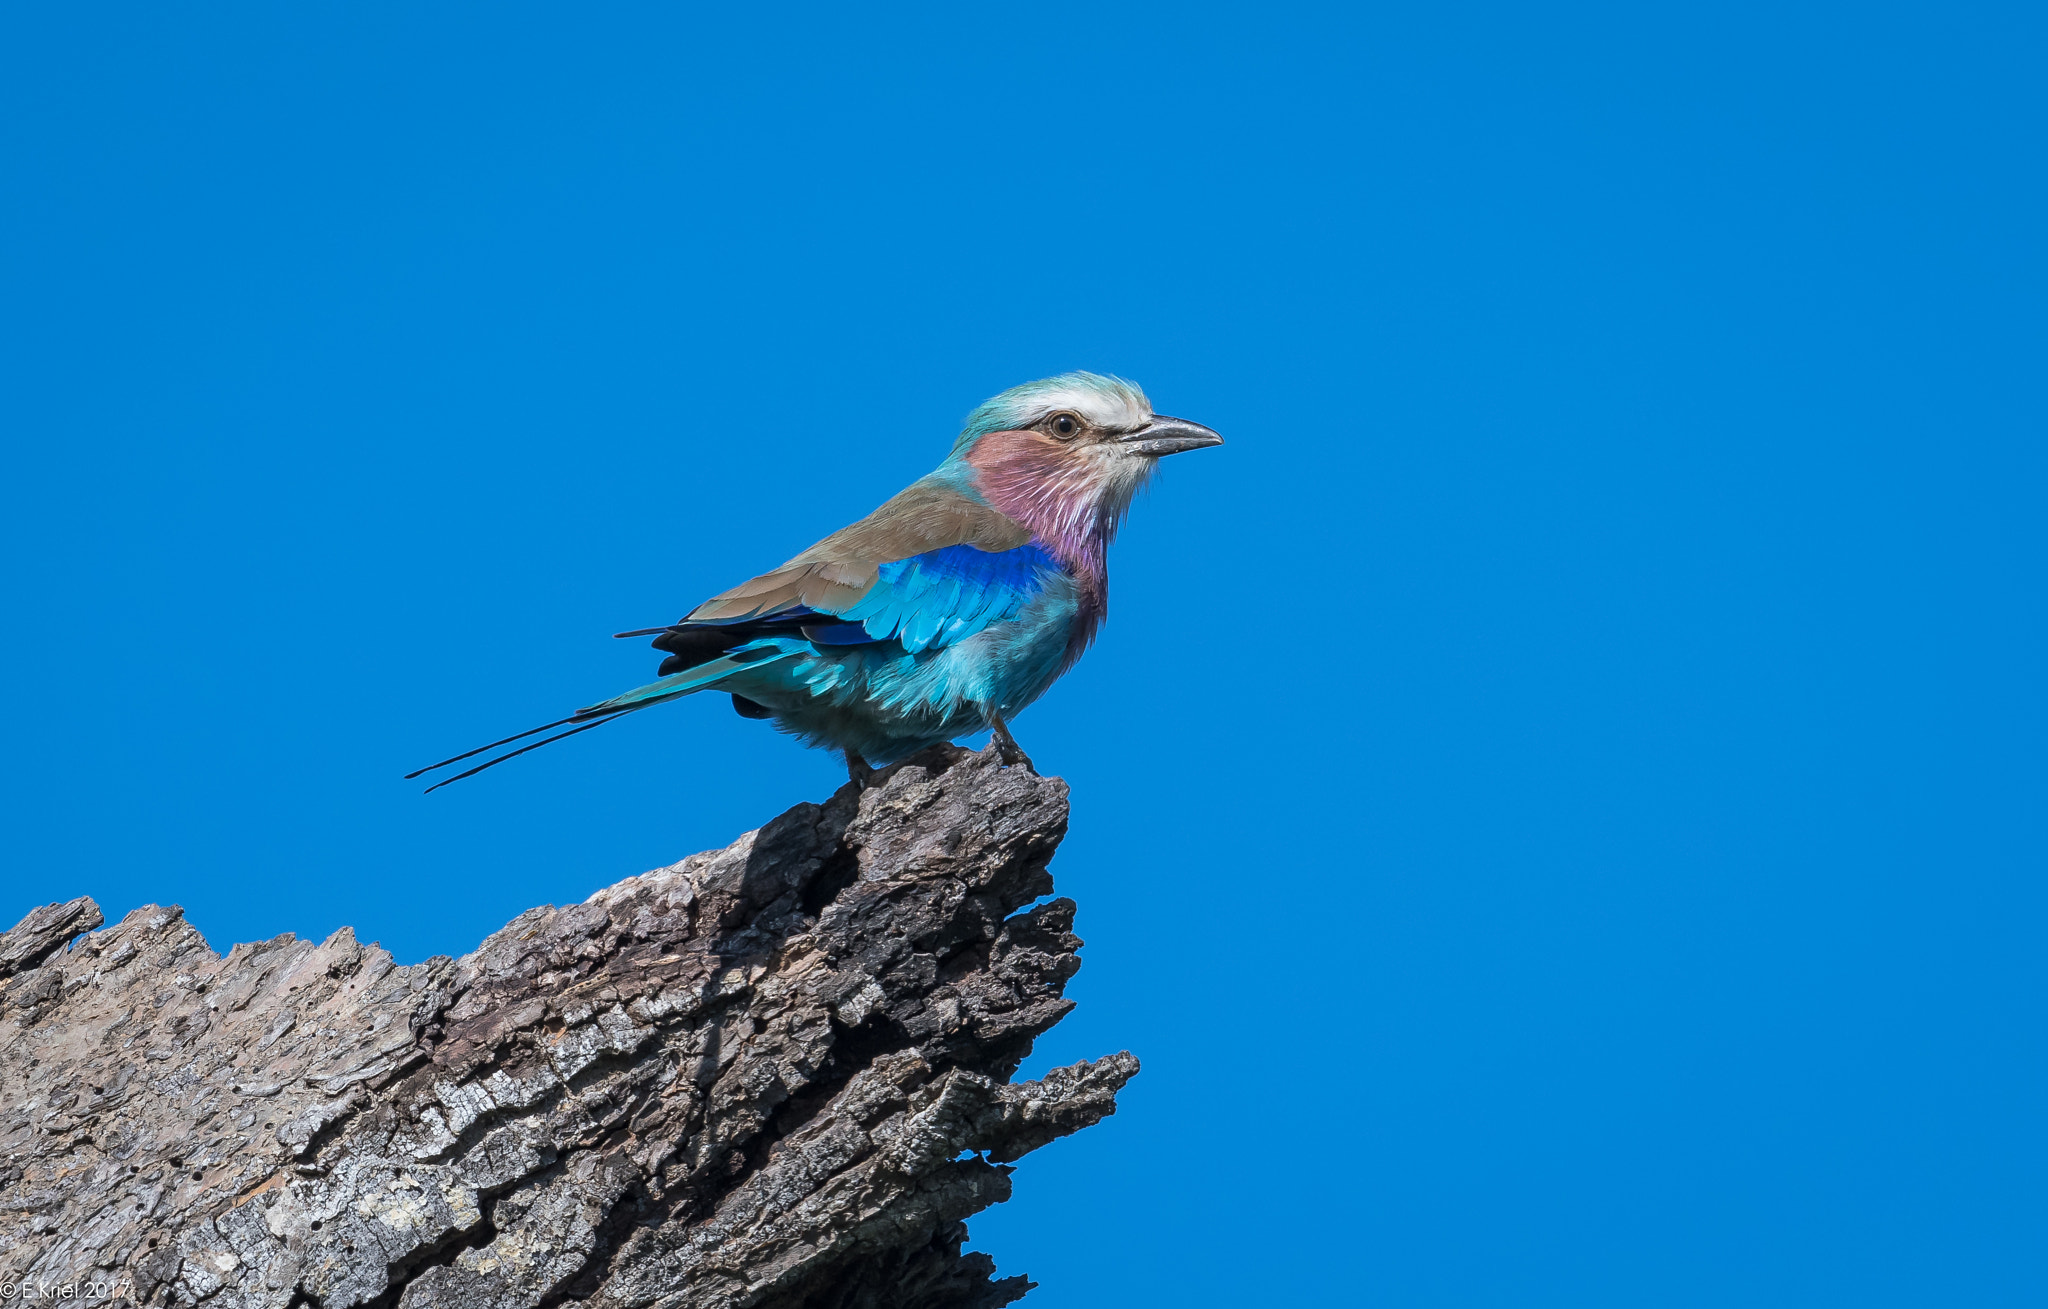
<point x="1116" y="410"/>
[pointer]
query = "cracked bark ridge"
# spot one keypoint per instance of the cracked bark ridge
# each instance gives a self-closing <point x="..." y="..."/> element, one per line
<point x="773" y="1075"/>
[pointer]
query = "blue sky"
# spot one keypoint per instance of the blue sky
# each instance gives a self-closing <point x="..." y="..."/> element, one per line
<point x="1558" y="801"/>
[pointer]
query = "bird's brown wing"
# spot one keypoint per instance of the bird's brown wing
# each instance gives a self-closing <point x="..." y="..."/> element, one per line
<point x="929" y="514"/>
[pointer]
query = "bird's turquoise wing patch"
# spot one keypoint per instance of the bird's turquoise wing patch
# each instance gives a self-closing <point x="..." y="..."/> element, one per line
<point x="943" y="596"/>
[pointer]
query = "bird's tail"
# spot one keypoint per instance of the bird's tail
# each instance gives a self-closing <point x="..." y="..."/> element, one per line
<point x="641" y="697"/>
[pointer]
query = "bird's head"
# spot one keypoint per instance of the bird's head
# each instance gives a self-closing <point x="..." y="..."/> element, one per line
<point x="1065" y="455"/>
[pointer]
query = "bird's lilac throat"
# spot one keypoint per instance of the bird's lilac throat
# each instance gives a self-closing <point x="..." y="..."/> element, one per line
<point x="1071" y="509"/>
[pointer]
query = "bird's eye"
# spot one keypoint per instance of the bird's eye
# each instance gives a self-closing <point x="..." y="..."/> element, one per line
<point x="1066" y="426"/>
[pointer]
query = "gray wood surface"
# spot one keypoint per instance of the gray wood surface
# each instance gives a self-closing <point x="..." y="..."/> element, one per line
<point x="775" y="1074"/>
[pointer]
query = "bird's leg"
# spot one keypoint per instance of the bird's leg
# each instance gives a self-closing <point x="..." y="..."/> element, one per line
<point x="857" y="769"/>
<point x="1006" y="745"/>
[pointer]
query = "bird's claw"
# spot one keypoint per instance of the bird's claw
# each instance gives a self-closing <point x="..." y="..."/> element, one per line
<point x="1006" y="745"/>
<point x="858" y="770"/>
<point x="1014" y="756"/>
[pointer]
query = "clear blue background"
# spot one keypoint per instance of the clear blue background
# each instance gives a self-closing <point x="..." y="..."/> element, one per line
<point x="1558" y="804"/>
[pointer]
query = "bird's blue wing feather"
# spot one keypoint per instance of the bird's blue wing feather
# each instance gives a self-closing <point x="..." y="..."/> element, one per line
<point x="935" y="599"/>
<point x="927" y="601"/>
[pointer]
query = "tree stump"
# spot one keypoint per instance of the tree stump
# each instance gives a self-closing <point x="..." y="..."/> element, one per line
<point x="772" y="1075"/>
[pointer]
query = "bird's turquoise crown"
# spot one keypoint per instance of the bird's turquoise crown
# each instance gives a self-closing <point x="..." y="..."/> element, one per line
<point x="1098" y="396"/>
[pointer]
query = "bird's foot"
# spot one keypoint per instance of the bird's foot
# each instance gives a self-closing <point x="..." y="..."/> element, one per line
<point x="1006" y="745"/>
<point x="858" y="770"/>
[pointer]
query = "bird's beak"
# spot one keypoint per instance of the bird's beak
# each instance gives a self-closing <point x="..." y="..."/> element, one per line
<point x="1168" y="436"/>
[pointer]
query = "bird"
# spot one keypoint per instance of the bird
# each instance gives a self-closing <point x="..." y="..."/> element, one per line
<point x="943" y="613"/>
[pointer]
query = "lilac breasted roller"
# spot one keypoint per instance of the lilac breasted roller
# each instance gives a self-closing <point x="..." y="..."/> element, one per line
<point x="944" y="612"/>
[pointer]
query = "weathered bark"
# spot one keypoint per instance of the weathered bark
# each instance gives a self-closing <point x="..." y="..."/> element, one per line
<point x="771" y="1075"/>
